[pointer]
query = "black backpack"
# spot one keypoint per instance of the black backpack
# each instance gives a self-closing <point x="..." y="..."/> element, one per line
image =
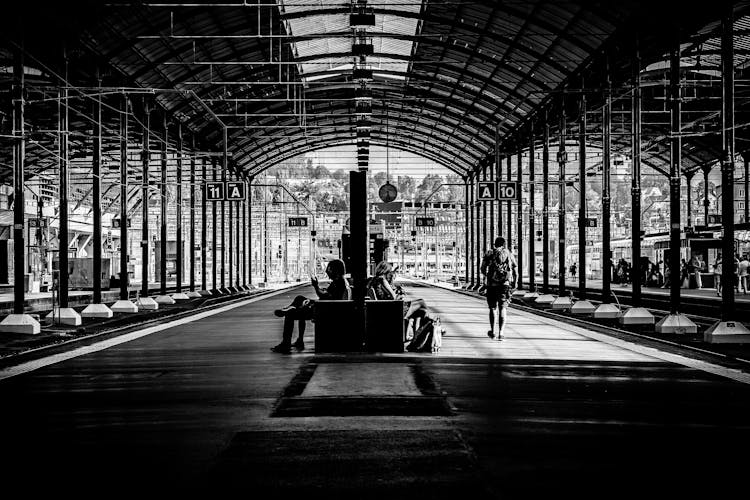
<point x="498" y="270"/>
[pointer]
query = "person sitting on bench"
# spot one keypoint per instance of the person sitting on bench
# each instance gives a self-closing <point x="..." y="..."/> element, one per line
<point x="380" y="286"/>
<point x="301" y="308"/>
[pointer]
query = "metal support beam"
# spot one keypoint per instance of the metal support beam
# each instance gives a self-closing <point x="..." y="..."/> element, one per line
<point x="606" y="196"/>
<point x="245" y="254"/>
<point x="192" y="219"/>
<point x="19" y="203"/>
<point x="519" y="215"/>
<point x="509" y="204"/>
<point x="250" y="230"/>
<point x="483" y="246"/>
<point x="582" y="200"/>
<point x="180" y="263"/>
<point x="224" y="168"/>
<point x="471" y="251"/>
<point x="213" y="227"/>
<point x="124" y="247"/>
<point x="163" y="207"/>
<point x="727" y="166"/>
<point x="63" y="215"/>
<point x="96" y="202"/>
<point x="467" y="248"/>
<point x="636" y="182"/>
<point x="562" y="159"/>
<point x="689" y="199"/>
<point x="545" y="206"/>
<point x="706" y="169"/>
<point x="358" y="216"/>
<point x="532" y="215"/>
<point x="675" y="179"/>
<point x="204" y="227"/>
<point x="230" y="233"/>
<point x="145" y="160"/>
<point x="237" y="206"/>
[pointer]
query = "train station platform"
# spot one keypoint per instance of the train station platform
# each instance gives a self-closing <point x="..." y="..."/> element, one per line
<point x="201" y="405"/>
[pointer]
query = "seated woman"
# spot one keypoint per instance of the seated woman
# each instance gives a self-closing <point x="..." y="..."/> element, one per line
<point x="380" y="286"/>
<point x="301" y="308"/>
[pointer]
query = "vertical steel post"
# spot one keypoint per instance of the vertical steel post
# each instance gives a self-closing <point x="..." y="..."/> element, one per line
<point x="582" y="199"/>
<point x="163" y="207"/>
<point x="358" y="218"/>
<point x="746" y="164"/>
<point x="213" y="228"/>
<point x="532" y="215"/>
<point x="483" y="246"/>
<point x="204" y="227"/>
<point x="545" y="206"/>
<point x="245" y="206"/>
<point x="479" y="249"/>
<point x="124" y="247"/>
<point x="727" y="165"/>
<point x="63" y="162"/>
<point x="606" y="196"/>
<point x="250" y="230"/>
<point x="230" y="242"/>
<point x="145" y="160"/>
<point x="519" y="214"/>
<point x="689" y="200"/>
<point x="96" y="195"/>
<point x="562" y="160"/>
<point x="675" y="178"/>
<point x="19" y="160"/>
<point x="471" y="251"/>
<point x="508" y="206"/>
<point x="238" y="257"/>
<point x="706" y="169"/>
<point x="467" y="260"/>
<point x="224" y="168"/>
<point x="178" y="236"/>
<point x="192" y="216"/>
<point x="636" y="182"/>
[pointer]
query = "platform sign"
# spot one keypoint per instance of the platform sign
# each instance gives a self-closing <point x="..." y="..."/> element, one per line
<point x="486" y="191"/>
<point x="297" y="221"/>
<point x="116" y="224"/>
<point x="507" y="190"/>
<point x="235" y="191"/>
<point x="425" y="221"/>
<point x="38" y="222"/>
<point x="588" y="222"/>
<point x="214" y="191"/>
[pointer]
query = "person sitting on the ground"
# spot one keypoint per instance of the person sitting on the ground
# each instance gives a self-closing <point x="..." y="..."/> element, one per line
<point x="301" y="308"/>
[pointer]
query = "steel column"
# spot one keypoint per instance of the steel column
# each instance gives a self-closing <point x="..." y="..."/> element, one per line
<point x="213" y="228"/>
<point x="582" y="200"/>
<point x="532" y="215"/>
<point x="727" y="165"/>
<point x="689" y="199"/>
<point x="245" y="206"/>
<point x="545" y="207"/>
<point x="484" y="214"/>
<point x="706" y="169"/>
<point x="19" y="203"/>
<point x="636" y="182"/>
<point x="124" y="247"/>
<point x="163" y="207"/>
<point x="358" y="217"/>
<point x="250" y="230"/>
<point x="145" y="160"/>
<point x="466" y="232"/>
<point x="606" y="196"/>
<point x="224" y="168"/>
<point x="63" y="232"/>
<point x="746" y="162"/>
<point x="204" y="227"/>
<point x="675" y="179"/>
<point x="562" y="159"/>
<point x="230" y="253"/>
<point x="471" y="250"/>
<point x="96" y="196"/>
<point x="238" y="258"/>
<point x="178" y="235"/>
<point x="519" y="216"/>
<point x="192" y="217"/>
<point x="508" y="205"/>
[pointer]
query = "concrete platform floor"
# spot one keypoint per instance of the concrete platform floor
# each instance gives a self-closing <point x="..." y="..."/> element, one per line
<point x="203" y="406"/>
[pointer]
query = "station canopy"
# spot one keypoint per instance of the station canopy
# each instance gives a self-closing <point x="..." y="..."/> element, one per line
<point x="445" y="79"/>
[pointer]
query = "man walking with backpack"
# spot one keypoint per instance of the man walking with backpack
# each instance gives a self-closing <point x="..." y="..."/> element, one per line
<point x="500" y="274"/>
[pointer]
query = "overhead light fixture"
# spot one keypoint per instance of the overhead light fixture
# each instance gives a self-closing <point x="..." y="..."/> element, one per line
<point x="363" y="93"/>
<point x="361" y="20"/>
<point x="363" y="134"/>
<point x="362" y="49"/>
<point x="362" y="74"/>
<point x="363" y="108"/>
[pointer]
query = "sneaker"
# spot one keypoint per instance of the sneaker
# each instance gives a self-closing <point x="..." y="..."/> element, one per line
<point x="282" y="349"/>
<point x="299" y="345"/>
<point x="500" y="337"/>
<point x="490" y="334"/>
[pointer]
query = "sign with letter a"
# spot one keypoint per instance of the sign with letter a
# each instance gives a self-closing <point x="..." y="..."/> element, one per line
<point x="486" y="191"/>
<point x="235" y="191"/>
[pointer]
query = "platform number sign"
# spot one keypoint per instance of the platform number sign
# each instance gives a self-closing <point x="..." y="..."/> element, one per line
<point x="425" y="221"/>
<point x="297" y="221"/>
<point x="214" y="191"/>
<point x="507" y="190"/>
<point x="589" y="221"/>
<point x="486" y="191"/>
<point x="235" y="191"/>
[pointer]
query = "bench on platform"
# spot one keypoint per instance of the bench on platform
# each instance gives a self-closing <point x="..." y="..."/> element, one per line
<point x="335" y="331"/>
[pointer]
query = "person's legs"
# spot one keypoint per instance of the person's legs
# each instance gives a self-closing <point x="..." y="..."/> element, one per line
<point x="299" y="344"/>
<point x="286" y="336"/>
<point x="491" y="331"/>
<point x="501" y="320"/>
<point x="492" y="298"/>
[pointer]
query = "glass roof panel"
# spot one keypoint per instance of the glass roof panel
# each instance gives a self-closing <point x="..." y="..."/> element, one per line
<point x="323" y="53"/>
